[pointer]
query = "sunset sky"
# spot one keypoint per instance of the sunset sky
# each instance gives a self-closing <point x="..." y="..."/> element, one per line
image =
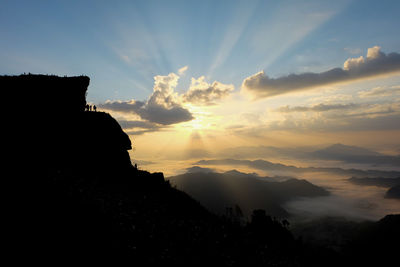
<point x="192" y="79"/>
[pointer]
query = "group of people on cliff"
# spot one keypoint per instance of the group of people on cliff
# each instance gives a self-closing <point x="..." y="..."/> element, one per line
<point x="90" y="108"/>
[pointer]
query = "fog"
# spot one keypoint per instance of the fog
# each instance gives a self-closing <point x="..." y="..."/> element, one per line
<point x="354" y="202"/>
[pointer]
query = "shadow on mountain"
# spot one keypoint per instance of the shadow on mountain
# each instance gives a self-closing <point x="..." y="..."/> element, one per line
<point x="377" y="181"/>
<point x="72" y="194"/>
<point x="393" y="192"/>
<point x="218" y="191"/>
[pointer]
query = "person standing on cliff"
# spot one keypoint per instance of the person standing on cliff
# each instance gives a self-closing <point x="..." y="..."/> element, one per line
<point x="94" y="108"/>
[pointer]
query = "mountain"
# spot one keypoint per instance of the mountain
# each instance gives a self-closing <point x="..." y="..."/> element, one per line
<point x="278" y="167"/>
<point x="363" y="243"/>
<point x="218" y="191"/>
<point x="375" y="244"/>
<point x="335" y="152"/>
<point x="379" y="181"/>
<point x="393" y="192"/>
<point x="340" y="149"/>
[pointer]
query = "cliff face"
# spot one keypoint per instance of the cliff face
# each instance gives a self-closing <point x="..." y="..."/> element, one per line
<point x="50" y="123"/>
<point x="74" y="191"/>
<point x="47" y="94"/>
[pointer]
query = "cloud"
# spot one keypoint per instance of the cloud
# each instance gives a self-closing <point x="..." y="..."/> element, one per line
<point x="336" y="124"/>
<point x="137" y="124"/>
<point x="318" y="108"/>
<point x="182" y="70"/>
<point x="162" y="107"/>
<point x="135" y="127"/>
<point x="374" y="64"/>
<point x="202" y="93"/>
<point x="330" y="118"/>
<point x="122" y="106"/>
<point x="343" y="111"/>
<point x="380" y="91"/>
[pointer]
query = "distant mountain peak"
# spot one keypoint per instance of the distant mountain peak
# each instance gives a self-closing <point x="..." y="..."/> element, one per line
<point x="348" y="150"/>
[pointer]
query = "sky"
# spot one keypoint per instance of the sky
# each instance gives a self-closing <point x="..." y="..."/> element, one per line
<point x="192" y="79"/>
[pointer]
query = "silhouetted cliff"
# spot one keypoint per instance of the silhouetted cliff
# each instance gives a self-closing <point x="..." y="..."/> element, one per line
<point x="73" y="193"/>
<point x="76" y="194"/>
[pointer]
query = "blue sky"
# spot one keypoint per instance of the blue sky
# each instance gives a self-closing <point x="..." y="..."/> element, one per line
<point x="123" y="45"/>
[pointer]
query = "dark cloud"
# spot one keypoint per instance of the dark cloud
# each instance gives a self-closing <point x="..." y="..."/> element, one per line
<point x="162" y="107"/>
<point x="203" y="93"/>
<point x="376" y="63"/>
<point x="140" y="132"/>
<point x="165" y="116"/>
<point x="123" y="106"/>
<point x="137" y="124"/>
<point x="139" y="127"/>
<point x="151" y="111"/>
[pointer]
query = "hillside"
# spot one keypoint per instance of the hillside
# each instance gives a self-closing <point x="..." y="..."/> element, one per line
<point x="76" y="194"/>
<point x="218" y="191"/>
<point x="379" y="181"/>
<point x="393" y="192"/>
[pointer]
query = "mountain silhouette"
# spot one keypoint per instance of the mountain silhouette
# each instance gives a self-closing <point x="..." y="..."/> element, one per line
<point x="336" y="152"/>
<point x="282" y="168"/>
<point x="376" y="181"/>
<point x="73" y="192"/>
<point x="217" y="191"/>
<point x="73" y="196"/>
<point x="393" y="192"/>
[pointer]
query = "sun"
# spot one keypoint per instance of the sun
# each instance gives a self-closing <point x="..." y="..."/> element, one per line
<point x="196" y="124"/>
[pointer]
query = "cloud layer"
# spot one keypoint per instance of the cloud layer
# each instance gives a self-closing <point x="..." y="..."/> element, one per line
<point x="318" y="108"/>
<point x="139" y="127"/>
<point x="374" y="64"/>
<point x="380" y="91"/>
